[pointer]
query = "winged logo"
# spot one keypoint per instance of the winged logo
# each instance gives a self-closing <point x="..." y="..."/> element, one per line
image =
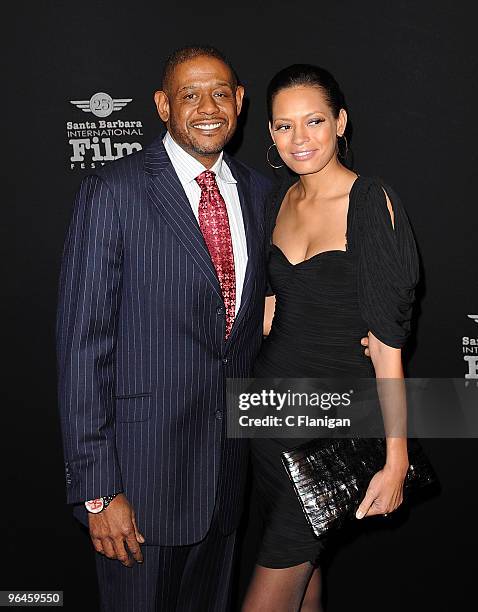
<point x="101" y="104"/>
<point x="474" y="317"/>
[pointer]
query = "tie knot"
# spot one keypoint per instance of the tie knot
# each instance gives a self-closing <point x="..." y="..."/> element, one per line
<point x="207" y="180"/>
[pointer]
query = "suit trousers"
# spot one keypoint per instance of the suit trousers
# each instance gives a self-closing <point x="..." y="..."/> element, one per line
<point x="195" y="577"/>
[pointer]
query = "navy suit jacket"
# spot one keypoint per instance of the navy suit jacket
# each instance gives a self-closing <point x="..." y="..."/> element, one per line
<point x="142" y="359"/>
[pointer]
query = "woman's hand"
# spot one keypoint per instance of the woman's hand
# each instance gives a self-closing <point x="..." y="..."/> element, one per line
<point x="385" y="491"/>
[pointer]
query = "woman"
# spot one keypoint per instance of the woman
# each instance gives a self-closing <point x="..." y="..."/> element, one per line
<point x="330" y="291"/>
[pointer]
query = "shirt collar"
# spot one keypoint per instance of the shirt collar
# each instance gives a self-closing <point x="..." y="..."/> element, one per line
<point x="188" y="168"/>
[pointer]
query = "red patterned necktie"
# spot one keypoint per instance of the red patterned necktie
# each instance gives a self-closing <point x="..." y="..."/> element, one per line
<point x="214" y="224"/>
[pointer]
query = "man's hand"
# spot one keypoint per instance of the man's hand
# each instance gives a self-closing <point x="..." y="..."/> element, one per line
<point x="364" y="342"/>
<point x="115" y="526"/>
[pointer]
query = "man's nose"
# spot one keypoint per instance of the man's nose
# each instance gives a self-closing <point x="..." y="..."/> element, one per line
<point x="207" y="105"/>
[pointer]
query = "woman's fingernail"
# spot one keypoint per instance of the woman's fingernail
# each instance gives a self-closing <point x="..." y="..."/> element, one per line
<point x="359" y="514"/>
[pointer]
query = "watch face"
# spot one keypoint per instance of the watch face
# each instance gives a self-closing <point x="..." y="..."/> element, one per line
<point x="95" y="505"/>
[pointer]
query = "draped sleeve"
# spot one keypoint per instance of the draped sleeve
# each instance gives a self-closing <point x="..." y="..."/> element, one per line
<point x="388" y="265"/>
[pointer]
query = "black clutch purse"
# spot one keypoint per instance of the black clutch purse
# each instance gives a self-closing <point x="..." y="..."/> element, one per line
<point x="330" y="477"/>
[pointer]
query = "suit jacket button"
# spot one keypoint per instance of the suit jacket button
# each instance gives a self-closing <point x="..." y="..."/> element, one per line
<point x="219" y="310"/>
<point x="218" y="415"/>
<point x="225" y="360"/>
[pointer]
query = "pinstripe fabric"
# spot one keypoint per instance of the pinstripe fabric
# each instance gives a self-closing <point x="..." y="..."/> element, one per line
<point x="172" y="578"/>
<point x="142" y="360"/>
<point x="187" y="168"/>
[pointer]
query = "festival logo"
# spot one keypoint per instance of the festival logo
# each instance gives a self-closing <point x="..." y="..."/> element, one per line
<point x="470" y="351"/>
<point x="101" y="104"/>
<point x="96" y="141"/>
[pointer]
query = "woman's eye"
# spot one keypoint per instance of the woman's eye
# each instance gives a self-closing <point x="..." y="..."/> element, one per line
<point x="316" y="121"/>
<point x="282" y="127"/>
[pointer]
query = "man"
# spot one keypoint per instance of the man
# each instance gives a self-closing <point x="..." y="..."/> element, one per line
<point x="161" y="298"/>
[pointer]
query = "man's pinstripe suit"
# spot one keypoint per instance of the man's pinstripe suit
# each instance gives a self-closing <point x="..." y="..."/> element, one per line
<point x="142" y="358"/>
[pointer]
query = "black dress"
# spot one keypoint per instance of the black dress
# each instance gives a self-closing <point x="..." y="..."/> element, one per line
<point x="324" y="306"/>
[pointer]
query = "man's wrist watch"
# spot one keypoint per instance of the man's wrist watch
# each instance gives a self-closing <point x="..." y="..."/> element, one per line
<point x="98" y="505"/>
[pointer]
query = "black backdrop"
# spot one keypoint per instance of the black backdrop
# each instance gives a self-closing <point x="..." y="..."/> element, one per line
<point x="408" y="70"/>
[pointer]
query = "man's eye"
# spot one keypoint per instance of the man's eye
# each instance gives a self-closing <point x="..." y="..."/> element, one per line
<point x="220" y="94"/>
<point x="190" y="96"/>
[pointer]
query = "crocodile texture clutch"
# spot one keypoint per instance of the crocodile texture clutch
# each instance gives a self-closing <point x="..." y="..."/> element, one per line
<point x="331" y="477"/>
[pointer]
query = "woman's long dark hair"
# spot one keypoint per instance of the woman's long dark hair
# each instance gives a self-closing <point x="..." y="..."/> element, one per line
<point x="306" y="74"/>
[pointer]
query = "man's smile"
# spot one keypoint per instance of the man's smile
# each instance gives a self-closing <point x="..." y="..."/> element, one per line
<point x="208" y="127"/>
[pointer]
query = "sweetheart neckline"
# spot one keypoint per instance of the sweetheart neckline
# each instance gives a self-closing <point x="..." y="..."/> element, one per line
<point x="308" y="258"/>
<point x="350" y="198"/>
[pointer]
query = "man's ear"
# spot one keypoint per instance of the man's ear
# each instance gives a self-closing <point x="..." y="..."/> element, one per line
<point x="239" y="98"/>
<point x="162" y="104"/>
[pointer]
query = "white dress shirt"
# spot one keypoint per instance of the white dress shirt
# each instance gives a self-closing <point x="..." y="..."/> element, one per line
<point x="188" y="168"/>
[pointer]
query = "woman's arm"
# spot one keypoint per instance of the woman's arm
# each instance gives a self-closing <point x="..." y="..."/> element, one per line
<point x="269" y="309"/>
<point x="385" y="491"/>
<point x="387" y="362"/>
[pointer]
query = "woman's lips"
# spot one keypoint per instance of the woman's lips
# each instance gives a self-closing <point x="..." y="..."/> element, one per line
<point x="303" y="155"/>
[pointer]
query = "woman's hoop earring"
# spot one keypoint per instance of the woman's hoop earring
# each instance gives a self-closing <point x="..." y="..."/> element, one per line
<point x="346" y="145"/>
<point x="267" y="156"/>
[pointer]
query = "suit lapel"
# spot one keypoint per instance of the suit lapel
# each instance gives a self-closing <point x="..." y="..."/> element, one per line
<point x="242" y="177"/>
<point x="169" y="198"/>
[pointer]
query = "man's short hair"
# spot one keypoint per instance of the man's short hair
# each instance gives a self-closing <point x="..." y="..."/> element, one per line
<point x="184" y="54"/>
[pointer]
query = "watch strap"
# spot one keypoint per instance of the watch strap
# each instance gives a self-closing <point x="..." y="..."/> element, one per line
<point x="108" y="499"/>
<point x="95" y="506"/>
